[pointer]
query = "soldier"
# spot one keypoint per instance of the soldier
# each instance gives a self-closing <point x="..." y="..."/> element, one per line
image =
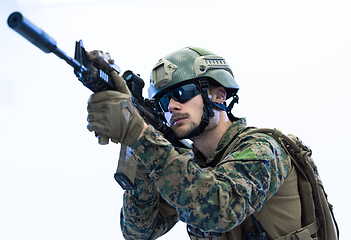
<point x="217" y="189"/>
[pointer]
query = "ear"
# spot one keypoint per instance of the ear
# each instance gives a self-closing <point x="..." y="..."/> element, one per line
<point x="218" y="94"/>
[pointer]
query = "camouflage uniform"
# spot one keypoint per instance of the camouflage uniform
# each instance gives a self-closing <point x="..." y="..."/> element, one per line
<point x="216" y="194"/>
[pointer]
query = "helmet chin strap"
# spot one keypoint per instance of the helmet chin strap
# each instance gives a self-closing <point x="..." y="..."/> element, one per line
<point x="208" y="110"/>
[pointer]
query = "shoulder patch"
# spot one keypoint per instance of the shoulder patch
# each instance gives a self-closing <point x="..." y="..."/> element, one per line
<point x="246" y="154"/>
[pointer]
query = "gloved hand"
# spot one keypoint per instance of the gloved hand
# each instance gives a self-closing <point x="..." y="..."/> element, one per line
<point x="112" y="114"/>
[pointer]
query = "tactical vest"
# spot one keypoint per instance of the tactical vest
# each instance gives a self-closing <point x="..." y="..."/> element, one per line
<point x="290" y="212"/>
<point x="279" y="216"/>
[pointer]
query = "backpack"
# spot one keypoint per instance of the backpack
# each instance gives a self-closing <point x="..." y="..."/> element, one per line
<point x="314" y="200"/>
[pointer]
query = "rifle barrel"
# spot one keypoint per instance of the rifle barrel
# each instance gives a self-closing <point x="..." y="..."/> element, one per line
<point x="39" y="38"/>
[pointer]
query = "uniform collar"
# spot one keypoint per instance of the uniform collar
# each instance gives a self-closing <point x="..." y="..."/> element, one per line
<point x="233" y="129"/>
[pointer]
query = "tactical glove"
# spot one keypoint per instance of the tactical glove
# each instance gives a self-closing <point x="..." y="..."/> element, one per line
<point x="112" y="114"/>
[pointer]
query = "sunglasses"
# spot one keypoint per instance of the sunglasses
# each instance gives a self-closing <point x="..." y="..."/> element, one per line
<point x="180" y="94"/>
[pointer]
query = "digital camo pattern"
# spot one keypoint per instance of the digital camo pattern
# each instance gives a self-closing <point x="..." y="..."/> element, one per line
<point x="184" y="187"/>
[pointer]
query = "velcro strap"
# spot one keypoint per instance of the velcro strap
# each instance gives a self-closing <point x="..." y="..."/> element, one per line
<point x="302" y="233"/>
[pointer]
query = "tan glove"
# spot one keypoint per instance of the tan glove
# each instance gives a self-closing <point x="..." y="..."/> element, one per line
<point x="112" y="114"/>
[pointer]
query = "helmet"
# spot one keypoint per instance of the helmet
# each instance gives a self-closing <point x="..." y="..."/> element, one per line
<point x="193" y="64"/>
<point x="189" y="64"/>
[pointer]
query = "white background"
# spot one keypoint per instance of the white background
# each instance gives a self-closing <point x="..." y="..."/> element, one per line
<point x="290" y="58"/>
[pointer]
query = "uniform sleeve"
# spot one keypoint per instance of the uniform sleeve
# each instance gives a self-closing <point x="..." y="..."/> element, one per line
<point x="214" y="199"/>
<point x="145" y="215"/>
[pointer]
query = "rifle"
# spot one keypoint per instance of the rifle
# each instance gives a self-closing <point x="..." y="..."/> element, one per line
<point x="92" y="68"/>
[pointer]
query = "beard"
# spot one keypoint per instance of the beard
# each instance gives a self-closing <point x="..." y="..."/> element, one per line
<point x="184" y="127"/>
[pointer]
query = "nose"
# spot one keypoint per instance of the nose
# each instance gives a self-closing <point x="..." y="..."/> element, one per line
<point x="174" y="105"/>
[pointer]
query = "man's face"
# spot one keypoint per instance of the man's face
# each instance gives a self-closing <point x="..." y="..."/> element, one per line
<point x="185" y="117"/>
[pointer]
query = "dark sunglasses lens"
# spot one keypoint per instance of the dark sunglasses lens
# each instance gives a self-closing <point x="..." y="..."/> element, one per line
<point x="181" y="94"/>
